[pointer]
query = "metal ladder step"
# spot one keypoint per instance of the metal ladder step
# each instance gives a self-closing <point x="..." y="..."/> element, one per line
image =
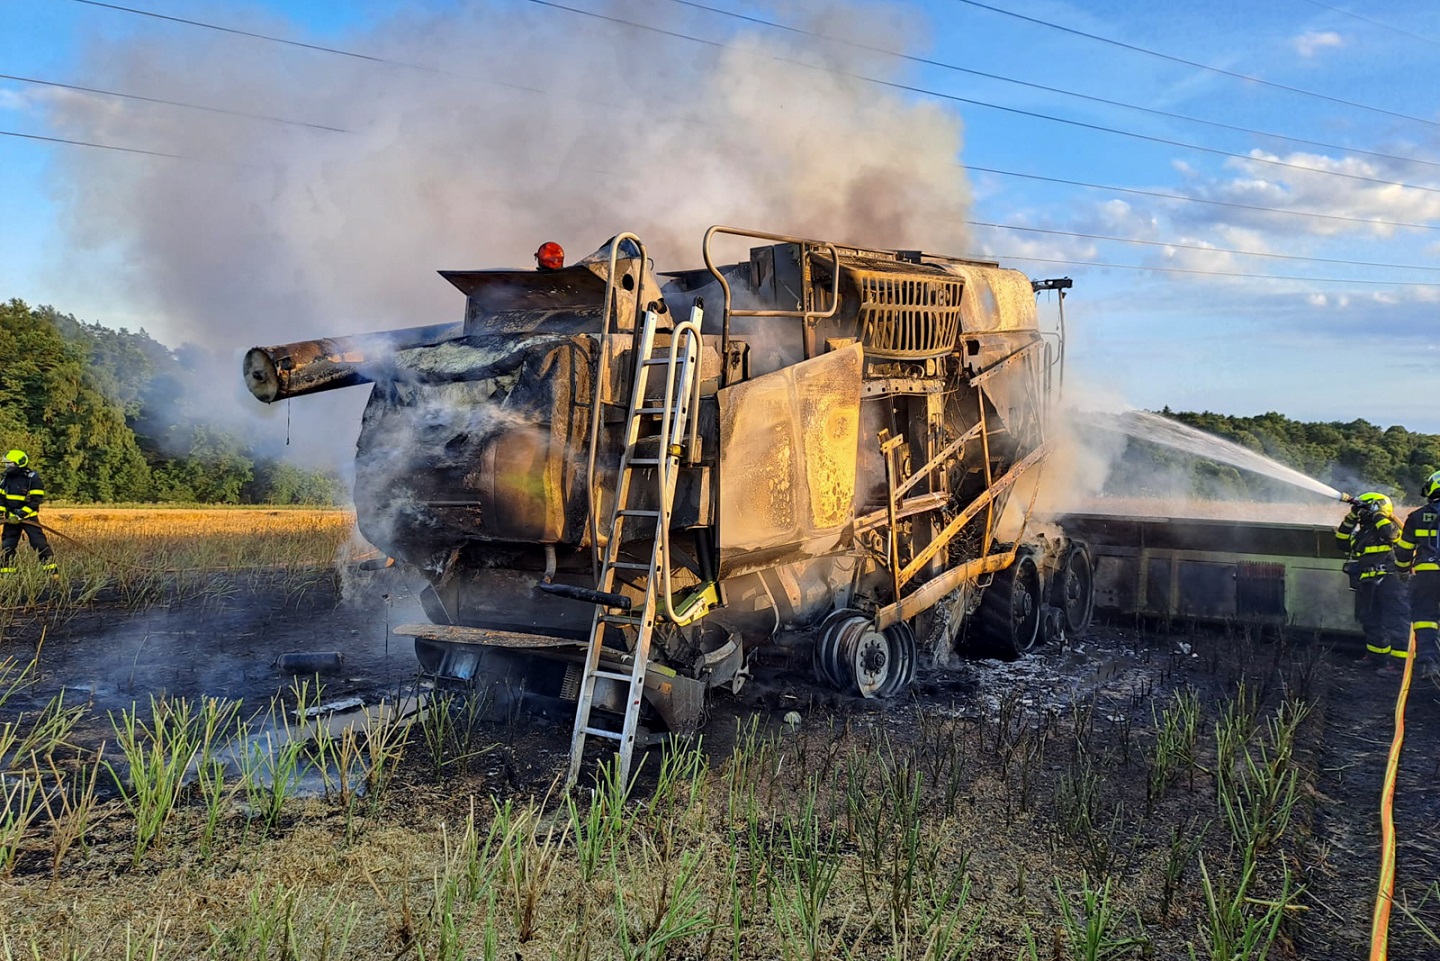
<point x="613" y="675"/>
<point x="601" y="732"/>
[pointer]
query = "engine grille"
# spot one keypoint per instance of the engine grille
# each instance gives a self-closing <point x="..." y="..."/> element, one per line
<point x="907" y="317"/>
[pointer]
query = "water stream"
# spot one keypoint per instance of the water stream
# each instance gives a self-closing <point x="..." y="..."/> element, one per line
<point x="1157" y="429"/>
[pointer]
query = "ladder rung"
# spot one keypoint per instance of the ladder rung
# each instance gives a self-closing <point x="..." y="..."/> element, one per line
<point x="601" y="732"/>
<point x="612" y="675"/>
<point x="656" y="361"/>
<point x="651" y="410"/>
<point x="636" y="512"/>
<point x="621" y="619"/>
<point x="643" y="462"/>
<point x="629" y="566"/>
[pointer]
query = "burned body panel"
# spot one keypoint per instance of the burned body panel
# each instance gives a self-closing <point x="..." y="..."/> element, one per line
<point x="788" y="443"/>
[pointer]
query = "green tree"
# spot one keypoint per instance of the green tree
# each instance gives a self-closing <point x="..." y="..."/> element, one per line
<point x="76" y="437"/>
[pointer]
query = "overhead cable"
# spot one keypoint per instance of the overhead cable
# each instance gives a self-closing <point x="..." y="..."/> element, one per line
<point x="1202" y="66"/>
<point x="924" y="91"/>
<point x="970" y="71"/>
<point x="1201" y="247"/>
<point x="1373" y="22"/>
<point x="172" y="103"/>
<point x="1213" y="273"/>
<point x="97" y="146"/>
<point x="885" y="83"/>
<point x="1369" y="221"/>
<point x="252" y="35"/>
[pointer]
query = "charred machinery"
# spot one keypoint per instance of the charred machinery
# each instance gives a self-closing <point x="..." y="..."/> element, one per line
<point x="626" y="488"/>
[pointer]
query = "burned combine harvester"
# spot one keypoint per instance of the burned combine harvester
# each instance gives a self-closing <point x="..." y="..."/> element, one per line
<point x="626" y="488"/>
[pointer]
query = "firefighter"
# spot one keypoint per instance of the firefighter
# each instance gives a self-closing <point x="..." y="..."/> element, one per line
<point x="23" y="495"/>
<point x="1418" y="553"/>
<point x="1368" y="535"/>
<point x="550" y="256"/>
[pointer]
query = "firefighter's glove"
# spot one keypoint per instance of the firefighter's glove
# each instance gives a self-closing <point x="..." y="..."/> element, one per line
<point x="12" y="518"/>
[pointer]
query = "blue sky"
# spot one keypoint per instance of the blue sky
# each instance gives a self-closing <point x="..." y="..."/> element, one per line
<point x="475" y="130"/>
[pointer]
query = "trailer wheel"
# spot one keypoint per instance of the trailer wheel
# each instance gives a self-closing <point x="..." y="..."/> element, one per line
<point x="1010" y="611"/>
<point x="1074" y="590"/>
<point x="828" y="667"/>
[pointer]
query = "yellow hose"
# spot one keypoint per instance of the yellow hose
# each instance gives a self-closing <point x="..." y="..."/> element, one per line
<point x="1380" y="920"/>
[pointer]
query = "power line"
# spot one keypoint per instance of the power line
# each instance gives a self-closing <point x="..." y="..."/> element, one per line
<point x="1213" y="273"/>
<point x="1213" y="250"/>
<point x="100" y="146"/>
<point x="255" y="36"/>
<point x="924" y="91"/>
<point x="1201" y="66"/>
<point x="1373" y="22"/>
<point x="171" y="103"/>
<point x="1043" y="260"/>
<point x="893" y="85"/>
<point x="1147" y="137"/>
<point x="647" y="27"/>
<point x="970" y="71"/>
<point x="1368" y="221"/>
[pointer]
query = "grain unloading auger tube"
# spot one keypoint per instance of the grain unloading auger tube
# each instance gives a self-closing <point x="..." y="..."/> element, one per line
<point x="836" y="499"/>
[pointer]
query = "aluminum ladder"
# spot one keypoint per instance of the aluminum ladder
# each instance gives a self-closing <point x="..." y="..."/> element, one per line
<point x="661" y="453"/>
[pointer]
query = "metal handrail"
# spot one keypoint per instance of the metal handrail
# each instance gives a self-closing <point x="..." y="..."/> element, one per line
<point x="602" y="377"/>
<point x="809" y="315"/>
<point x="672" y="429"/>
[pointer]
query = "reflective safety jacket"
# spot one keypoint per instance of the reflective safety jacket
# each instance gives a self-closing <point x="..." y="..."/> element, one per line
<point x="23" y="492"/>
<point x="1418" y="548"/>
<point x="1369" y="543"/>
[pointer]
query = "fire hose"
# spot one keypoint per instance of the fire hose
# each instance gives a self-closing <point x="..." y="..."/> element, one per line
<point x="1380" y="919"/>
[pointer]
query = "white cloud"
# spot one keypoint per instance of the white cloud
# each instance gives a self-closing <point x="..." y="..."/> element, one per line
<point x="1311" y="42"/>
<point x="1308" y="184"/>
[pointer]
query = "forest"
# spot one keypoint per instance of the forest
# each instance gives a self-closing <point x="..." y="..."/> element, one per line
<point x="115" y="416"/>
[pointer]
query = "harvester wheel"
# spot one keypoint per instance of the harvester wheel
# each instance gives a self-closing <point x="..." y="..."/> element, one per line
<point x="901" y="640"/>
<point x="852" y="656"/>
<point x="1074" y="590"/>
<point x="1009" y="615"/>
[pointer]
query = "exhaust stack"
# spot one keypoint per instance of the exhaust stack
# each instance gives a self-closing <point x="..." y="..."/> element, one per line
<point x="328" y="363"/>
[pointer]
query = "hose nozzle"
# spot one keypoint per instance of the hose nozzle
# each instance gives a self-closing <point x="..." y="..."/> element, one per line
<point x="1348" y="499"/>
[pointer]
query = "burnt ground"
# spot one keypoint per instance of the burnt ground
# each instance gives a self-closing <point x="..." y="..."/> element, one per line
<point x="227" y="645"/>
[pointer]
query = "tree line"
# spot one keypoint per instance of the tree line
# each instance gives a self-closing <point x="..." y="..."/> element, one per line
<point x="114" y="416"/>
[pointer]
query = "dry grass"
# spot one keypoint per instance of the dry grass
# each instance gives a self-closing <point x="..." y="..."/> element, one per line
<point x="141" y="556"/>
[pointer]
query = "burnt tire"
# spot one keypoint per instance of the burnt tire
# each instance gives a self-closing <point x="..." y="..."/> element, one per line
<point x="828" y="667"/>
<point x="1073" y="591"/>
<point x="1010" y="611"/>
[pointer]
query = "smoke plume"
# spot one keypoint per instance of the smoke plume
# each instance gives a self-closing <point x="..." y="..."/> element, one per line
<point x="476" y="133"/>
